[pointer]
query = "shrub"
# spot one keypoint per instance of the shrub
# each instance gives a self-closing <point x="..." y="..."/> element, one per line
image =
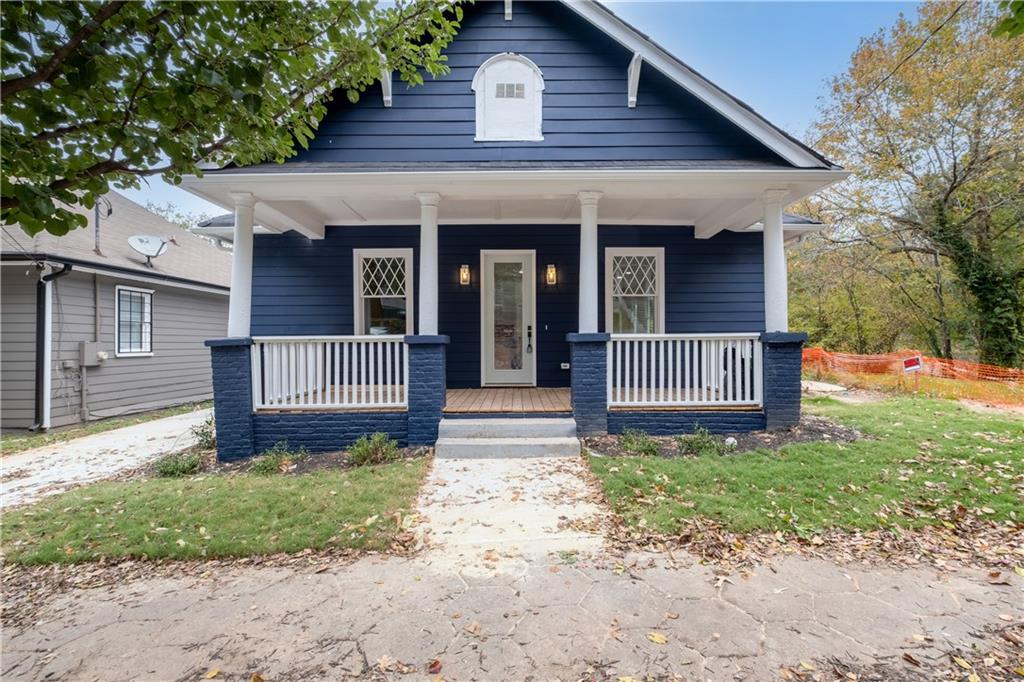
<point x="178" y="464"/>
<point x="702" y="442"/>
<point x="206" y="434"/>
<point x="276" y="460"/>
<point x="638" y="443"/>
<point x="375" y="449"/>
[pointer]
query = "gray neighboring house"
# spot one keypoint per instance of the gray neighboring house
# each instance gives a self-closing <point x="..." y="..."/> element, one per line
<point x="88" y="330"/>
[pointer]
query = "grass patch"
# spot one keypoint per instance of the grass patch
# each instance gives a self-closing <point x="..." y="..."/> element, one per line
<point x="215" y="516"/>
<point x="638" y="442"/>
<point x="375" y="449"/>
<point x="178" y="464"/>
<point x="19" y="441"/>
<point x="277" y="460"/>
<point x="1000" y="392"/>
<point x="924" y="456"/>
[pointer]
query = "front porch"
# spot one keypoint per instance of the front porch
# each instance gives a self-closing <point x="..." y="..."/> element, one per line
<point x="635" y="323"/>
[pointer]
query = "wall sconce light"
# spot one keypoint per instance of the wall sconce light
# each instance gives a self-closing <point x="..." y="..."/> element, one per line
<point x="551" y="276"/>
<point x="464" y="275"/>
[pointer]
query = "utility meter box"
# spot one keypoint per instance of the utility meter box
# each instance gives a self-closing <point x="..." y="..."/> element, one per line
<point x="90" y="354"/>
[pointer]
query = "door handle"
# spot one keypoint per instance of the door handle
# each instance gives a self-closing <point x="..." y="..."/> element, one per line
<point x="529" y="338"/>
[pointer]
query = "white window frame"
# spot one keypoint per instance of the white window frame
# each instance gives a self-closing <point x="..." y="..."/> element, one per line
<point x="357" y="285"/>
<point x="483" y="93"/>
<point x="659" y="305"/>
<point x="118" y="353"/>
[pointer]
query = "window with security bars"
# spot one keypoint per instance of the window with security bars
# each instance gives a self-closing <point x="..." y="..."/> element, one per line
<point x="385" y="303"/>
<point x="510" y="90"/>
<point x="134" y="317"/>
<point x="635" y="293"/>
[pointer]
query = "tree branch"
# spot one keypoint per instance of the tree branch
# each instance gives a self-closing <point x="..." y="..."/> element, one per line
<point x="13" y="86"/>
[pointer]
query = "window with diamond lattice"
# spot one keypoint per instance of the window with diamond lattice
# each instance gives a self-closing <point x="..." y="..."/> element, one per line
<point x="383" y="291"/>
<point x="634" y="286"/>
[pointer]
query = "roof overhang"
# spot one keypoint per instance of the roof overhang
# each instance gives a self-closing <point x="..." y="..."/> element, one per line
<point x="710" y="200"/>
<point x="744" y="116"/>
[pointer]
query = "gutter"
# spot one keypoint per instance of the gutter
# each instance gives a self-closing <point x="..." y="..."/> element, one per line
<point x="116" y="269"/>
<point x="44" y="346"/>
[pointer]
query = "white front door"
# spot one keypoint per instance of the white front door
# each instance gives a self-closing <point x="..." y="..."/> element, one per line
<point x="508" y="315"/>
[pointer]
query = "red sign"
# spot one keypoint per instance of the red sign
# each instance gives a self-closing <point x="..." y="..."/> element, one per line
<point x="912" y="364"/>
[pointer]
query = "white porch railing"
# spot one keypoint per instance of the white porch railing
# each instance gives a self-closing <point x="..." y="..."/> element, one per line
<point x="669" y="370"/>
<point x="329" y="372"/>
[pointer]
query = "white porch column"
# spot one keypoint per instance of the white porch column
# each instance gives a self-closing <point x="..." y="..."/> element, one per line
<point x="776" y="302"/>
<point x="428" y="262"/>
<point x="240" y="301"/>
<point x="588" y="261"/>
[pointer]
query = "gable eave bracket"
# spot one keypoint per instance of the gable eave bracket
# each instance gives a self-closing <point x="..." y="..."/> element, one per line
<point x="508" y="10"/>
<point x="634" y="79"/>
<point x="385" y="86"/>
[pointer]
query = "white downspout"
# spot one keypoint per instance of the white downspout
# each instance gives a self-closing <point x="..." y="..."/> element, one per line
<point x="47" y="354"/>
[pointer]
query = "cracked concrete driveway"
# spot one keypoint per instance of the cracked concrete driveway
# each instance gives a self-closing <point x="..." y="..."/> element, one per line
<point x="488" y="608"/>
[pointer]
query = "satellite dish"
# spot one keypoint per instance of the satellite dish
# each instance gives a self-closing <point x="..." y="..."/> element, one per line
<point x="150" y="247"/>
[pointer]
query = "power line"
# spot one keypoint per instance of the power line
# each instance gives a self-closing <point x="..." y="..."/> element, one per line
<point x="18" y="244"/>
<point x="885" y="79"/>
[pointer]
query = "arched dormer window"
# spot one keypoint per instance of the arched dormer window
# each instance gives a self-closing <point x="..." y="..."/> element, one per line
<point x="508" y="88"/>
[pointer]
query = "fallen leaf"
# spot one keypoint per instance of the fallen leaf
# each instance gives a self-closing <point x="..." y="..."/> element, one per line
<point x="973" y="677"/>
<point x="434" y="666"/>
<point x="256" y="677"/>
<point x="672" y="616"/>
<point x="212" y="673"/>
<point x="911" y="660"/>
<point x="962" y="663"/>
<point x="806" y="666"/>
<point x="473" y="628"/>
<point x="1019" y="571"/>
<point x="657" y="638"/>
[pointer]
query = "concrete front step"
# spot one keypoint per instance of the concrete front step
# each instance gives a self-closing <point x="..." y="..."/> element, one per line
<point x="495" y="448"/>
<point x="530" y="427"/>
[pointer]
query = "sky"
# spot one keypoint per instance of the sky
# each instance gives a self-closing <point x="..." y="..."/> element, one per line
<point x="776" y="56"/>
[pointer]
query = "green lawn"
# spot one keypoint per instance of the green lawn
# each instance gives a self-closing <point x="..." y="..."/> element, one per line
<point x="925" y="456"/>
<point x="215" y="516"/>
<point x="17" y="441"/>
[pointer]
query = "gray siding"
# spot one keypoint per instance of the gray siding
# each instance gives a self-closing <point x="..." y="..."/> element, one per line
<point x="17" y="347"/>
<point x="177" y="372"/>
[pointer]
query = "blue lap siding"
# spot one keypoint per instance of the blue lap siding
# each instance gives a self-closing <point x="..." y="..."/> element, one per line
<point x="304" y="287"/>
<point x="711" y="285"/>
<point x="585" y="114"/>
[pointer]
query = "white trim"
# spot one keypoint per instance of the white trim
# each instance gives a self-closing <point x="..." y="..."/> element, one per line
<point x="118" y="353"/>
<point x="529" y="312"/>
<point x="633" y="79"/>
<point x="44" y="418"/>
<point x="508" y="10"/>
<point x="659" y="253"/>
<point x="483" y="134"/>
<point x="699" y="86"/>
<point x="357" y="288"/>
<point x="100" y="270"/>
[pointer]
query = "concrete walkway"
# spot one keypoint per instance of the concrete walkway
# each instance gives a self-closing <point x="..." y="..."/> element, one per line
<point x="30" y="475"/>
<point x="507" y="591"/>
<point x="526" y="509"/>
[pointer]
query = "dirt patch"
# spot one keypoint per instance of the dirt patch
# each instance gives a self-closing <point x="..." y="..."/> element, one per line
<point x="811" y="429"/>
<point x="989" y="408"/>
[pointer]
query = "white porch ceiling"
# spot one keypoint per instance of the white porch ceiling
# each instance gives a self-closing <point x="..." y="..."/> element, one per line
<point x="710" y="200"/>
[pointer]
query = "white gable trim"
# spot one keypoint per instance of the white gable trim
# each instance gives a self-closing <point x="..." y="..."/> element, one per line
<point x="699" y="86"/>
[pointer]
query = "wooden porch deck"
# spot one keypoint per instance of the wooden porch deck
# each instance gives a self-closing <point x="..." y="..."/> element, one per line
<point x="525" y="400"/>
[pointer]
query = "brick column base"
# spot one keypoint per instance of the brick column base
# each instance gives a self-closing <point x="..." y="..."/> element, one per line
<point x="783" y="354"/>
<point x="588" y="358"/>
<point x="232" y="397"/>
<point x="426" y="386"/>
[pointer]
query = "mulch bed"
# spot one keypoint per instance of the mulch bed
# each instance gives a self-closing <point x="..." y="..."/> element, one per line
<point x="811" y="429"/>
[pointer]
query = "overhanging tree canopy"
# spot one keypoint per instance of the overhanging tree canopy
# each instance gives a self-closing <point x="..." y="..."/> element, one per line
<point x="104" y="93"/>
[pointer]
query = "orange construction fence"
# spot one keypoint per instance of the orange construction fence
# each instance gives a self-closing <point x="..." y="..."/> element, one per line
<point x="821" y="360"/>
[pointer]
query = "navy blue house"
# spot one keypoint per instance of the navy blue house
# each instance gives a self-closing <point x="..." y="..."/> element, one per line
<point x="571" y="222"/>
